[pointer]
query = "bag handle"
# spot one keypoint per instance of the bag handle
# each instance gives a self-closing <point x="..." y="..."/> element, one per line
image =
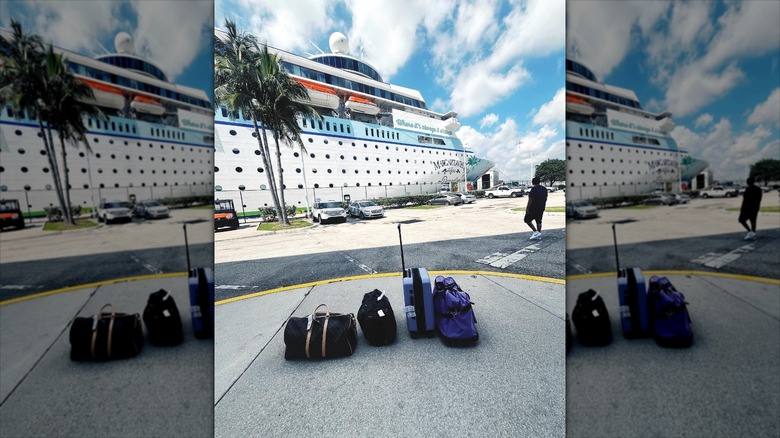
<point x="324" y="331"/>
<point x="327" y="311"/>
<point x="110" y="330"/>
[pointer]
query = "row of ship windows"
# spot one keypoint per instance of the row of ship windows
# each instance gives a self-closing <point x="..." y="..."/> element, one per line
<point x="365" y="145"/>
<point x="110" y="141"/>
<point x="98" y="155"/>
<point x="614" y="183"/>
<point x="604" y="172"/>
<point x="577" y="88"/>
<point x="638" y="139"/>
<point x="315" y="75"/>
<point x="620" y="149"/>
<point x="100" y="75"/>
<point x="327" y="156"/>
<point x="116" y="185"/>
<point x="25" y="169"/>
<point x="603" y="160"/>
<point x="242" y="187"/>
<point x="298" y="170"/>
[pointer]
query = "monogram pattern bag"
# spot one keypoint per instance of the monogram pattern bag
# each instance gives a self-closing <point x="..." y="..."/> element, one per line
<point x="320" y="335"/>
<point x="107" y="335"/>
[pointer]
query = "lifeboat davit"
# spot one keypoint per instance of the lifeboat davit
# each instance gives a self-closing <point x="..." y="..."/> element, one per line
<point x="452" y="124"/>
<point x="360" y="105"/>
<point x="577" y="105"/>
<point x="666" y="124"/>
<point x="320" y="95"/>
<point x="147" y="105"/>
<point x="105" y="95"/>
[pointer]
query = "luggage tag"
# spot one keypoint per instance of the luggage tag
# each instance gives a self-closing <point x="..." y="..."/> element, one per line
<point x="381" y="313"/>
<point x="409" y="310"/>
<point x="379" y="298"/>
<point x="308" y="322"/>
<point x="166" y="313"/>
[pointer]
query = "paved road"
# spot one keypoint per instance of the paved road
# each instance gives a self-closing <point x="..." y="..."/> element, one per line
<point x="511" y="253"/>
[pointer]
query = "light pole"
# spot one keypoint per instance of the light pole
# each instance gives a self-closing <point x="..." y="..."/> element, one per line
<point x="465" y="173"/>
<point x="241" y="189"/>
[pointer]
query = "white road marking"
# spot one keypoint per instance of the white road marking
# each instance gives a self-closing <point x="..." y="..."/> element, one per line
<point x="502" y="260"/>
<point x="149" y="267"/>
<point x="229" y="286"/>
<point x="360" y="265"/>
<point x="580" y="268"/>
<point x="718" y="260"/>
<point x="18" y="286"/>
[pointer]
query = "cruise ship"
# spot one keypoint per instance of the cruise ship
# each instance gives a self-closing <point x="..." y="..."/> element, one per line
<point x="156" y="141"/>
<point x="374" y="140"/>
<point x="614" y="147"/>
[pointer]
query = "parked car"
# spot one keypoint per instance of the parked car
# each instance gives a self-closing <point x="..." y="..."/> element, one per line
<point x="365" y="209"/>
<point x="329" y="211"/>
<point x="581" y="209"/>
<point x="113" y="211"/>
<point x="150" y="210"/>
<point x="719" y="192"/>
<point x="467" y="198"/>
<point x="225" y="214"/>
<point x="504" y="192"/>
<point x="682" y="198"/>
<point x="659" y="199"/>
<point x="445" y="199"/>
<point x="551" y="188"/>
<point x="10" y="214"/>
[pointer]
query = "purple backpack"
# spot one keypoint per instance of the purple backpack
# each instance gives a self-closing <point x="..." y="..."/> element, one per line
<point x="670" y="321"/>
<point x="454" y="314"/>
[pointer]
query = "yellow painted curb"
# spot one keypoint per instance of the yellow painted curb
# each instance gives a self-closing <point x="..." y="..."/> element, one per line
<point x="386" y="274"/>
<point x="699" y="273"/>
<point x="91" y="285"/>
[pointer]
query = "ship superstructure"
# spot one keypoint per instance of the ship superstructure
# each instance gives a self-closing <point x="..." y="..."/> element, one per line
<point x="615" y="147"/>
<point x="155" y="141"/>
<point x="374" y="140"/>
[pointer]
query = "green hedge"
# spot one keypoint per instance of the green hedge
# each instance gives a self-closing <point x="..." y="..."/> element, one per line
<point x="187" y="201"/>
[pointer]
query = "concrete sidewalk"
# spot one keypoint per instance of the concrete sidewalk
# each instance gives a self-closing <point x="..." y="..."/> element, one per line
<point x="512" y="383"/>
<point x="726" y="384"/>
<point x="164" y="391"/>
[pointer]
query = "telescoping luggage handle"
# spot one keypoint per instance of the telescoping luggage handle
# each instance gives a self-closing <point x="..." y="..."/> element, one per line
<point x="403" y="267"/>
<point x="614" y="236"/>
<point x="187" y="247"/>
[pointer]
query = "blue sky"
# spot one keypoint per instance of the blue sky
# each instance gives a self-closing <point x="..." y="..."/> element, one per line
<point x="714" y="65"/>
<point x="177" y="36"/>
<point x="498" y="64"/>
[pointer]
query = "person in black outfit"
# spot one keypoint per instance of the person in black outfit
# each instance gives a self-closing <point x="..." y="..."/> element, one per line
<point x="537" y="200"/>
<point x="751" y="203"/>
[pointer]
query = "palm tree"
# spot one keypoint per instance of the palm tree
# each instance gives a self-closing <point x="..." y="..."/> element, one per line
<point x="22" y="79"/>
<point x="65" y="110"/>
<point x="237" y="86"/>
<point x="285" y="96"/>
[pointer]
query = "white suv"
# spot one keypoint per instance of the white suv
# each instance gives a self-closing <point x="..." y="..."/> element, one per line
<point x="114" y="211"/>
<point x="328" y="211"/>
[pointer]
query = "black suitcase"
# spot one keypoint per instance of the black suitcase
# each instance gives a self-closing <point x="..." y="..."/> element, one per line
<point x="162" y="319"/>
<point x="591" y="319"/>
<point x="376" y="318"/>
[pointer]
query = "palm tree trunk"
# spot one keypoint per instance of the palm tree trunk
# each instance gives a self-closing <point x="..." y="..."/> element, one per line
<point x="69" y="217"/>
<point x="52" y="162"/>
<point x="272" y="175"/>
<point x="269" y="174"/>
<point x="283" y="218"/>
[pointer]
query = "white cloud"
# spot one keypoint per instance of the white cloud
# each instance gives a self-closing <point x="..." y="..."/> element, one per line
<point x="703" y="120"/>
<point x="767" y="112"/>
<point x="488" y="120"/>
<point x="691" y="88"/>
<point x="728" y="153"/>
<point x="173" y="48"/>
<point x="554" y="111"/>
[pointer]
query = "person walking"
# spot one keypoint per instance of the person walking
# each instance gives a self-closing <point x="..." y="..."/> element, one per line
<point x="537" y="200"/>
<point x="751" y="203"/>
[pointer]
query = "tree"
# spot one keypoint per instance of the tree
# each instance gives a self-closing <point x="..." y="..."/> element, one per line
<point x="551" y="170"/>
<point x="237" y="86"/>
<point x="22" y="84"/>
<point x="766" y="170"/>
<point x="284" y="97"/>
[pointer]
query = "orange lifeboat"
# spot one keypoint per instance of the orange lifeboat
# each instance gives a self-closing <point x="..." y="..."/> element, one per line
<point x="578" y="105"/>
<point x="361" y="105"/>
<point x="320" y="95"/>
<point x="105" y="95"/>
<point x="147" y="105"/>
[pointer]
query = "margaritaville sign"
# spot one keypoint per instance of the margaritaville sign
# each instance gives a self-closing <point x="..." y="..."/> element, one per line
<point x="633" y="123"/>
<point x="419" y="123"/>
<point x="191" y="120"/>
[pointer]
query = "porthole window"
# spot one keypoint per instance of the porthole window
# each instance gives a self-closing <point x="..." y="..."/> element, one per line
<point x="18" y="132"/>
<point x="311" y="155"/>
<point x="239" y="169"/>
<point x="236" y="151"/>
<point x="216" y="169"/>
<point x="300" y="186"/>
<point x="257" y="151"/>
<point x="21" y="151"/>
<point x="311" y="140"/>
<point x="24" y="169"/>
<point x="242" y="187"/>
<point x="316" y="186"/>
<point x="260" y="170"/>
<point x="232" y="132"/>
<point x="314" y="171"/>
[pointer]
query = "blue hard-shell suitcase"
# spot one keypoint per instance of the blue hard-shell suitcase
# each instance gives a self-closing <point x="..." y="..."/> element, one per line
<point x="201" y="284"/>
<point x="634" y="311"/>
<point x="418" y="298"/>
<point x="632" y="295"/>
